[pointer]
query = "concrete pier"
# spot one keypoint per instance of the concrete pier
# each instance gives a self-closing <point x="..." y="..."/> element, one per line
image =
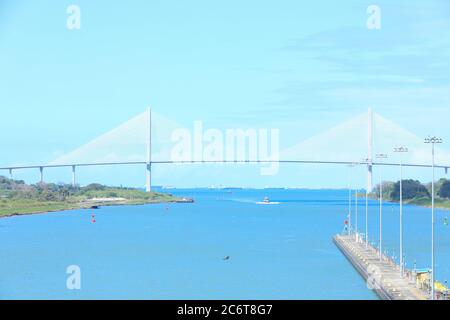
<point x="382" y="275"/>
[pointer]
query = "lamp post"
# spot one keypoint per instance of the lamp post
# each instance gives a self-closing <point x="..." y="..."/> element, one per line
<point x="350" y="200"/>
<point x="367" y="211"/>
<point x="432" y="141"/>
<point x="381" y="156"/>
<point x="349" y="214"/>
<point x="356" y="213"/>
<point x="402" y="263"/>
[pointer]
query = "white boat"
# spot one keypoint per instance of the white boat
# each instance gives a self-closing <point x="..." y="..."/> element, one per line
<point x="266" y="201"/>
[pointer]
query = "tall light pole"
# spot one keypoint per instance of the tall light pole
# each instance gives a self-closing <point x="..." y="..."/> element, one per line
<point x="401" y="150"/>
<point x="432" y="141"/>
<point x="369" y="167"/>
<point x="349" y="201"/>
<point x="367" y="217"/>
<point x="367" y="210"/>
<point x="381" y="156"/>
<point x="356" y="212"/>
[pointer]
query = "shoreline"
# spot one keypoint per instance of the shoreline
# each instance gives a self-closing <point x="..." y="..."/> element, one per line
<point x="103" y="203"/>
<point x="414" y="202"/>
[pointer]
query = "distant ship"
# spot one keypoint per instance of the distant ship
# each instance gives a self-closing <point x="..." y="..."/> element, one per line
<point x="266" y="201"/>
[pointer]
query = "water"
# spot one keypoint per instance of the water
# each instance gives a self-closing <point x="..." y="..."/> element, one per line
<point x="176" y="251"/>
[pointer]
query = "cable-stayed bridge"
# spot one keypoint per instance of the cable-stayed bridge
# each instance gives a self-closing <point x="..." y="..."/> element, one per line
<point x="136" y="134"/>
<point x="367" y="135"/>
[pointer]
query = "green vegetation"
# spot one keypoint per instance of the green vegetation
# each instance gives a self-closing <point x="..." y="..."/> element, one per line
<point x="444" y="190"/>
<point x="411" y="189"/>
<point x="416" y="193"/>
<point x="426" y="202"/>
<point x="16" y="197"/>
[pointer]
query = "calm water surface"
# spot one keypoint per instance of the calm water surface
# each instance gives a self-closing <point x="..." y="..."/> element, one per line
<point x="176" y="251"/>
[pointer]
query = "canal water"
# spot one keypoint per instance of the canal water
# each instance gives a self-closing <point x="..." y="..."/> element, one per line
<point x="223" y="246"/>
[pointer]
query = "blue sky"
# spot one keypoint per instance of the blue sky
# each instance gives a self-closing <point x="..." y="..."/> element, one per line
<point x="301" y="67"/>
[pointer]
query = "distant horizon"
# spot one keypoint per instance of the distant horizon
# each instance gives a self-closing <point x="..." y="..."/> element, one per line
<point x="213" y="187"/>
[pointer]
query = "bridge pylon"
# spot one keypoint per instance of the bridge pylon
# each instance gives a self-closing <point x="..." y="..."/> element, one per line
<point x="148" y="184"/>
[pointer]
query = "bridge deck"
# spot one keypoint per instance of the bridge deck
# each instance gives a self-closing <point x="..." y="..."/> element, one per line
<point x="383" y="275"/>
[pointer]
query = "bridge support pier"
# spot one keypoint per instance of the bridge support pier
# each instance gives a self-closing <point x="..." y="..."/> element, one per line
<point x="41" y="170"/>
<point x="446" y="172"/>
<point x="73" y="177"/>
<point x="10" y="174"/>
<point x="148" y="184"/>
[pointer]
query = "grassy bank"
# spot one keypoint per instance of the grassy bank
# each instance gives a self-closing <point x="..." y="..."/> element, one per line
<point x="426" y="202"/>
<point x="420" y="201"/>
<point x="17" y="198"/>
<point x="415" y="192"/>
<point x="10" y="207"/>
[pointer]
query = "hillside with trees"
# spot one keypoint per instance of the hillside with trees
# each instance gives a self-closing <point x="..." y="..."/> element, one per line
<point x="415" y="192"/>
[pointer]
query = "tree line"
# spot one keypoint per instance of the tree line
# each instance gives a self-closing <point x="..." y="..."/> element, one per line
<point x="413" y="189"/>
<point x="18" y="189"/>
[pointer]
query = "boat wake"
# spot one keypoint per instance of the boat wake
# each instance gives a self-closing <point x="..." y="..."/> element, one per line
<point x="267" y="203"/>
